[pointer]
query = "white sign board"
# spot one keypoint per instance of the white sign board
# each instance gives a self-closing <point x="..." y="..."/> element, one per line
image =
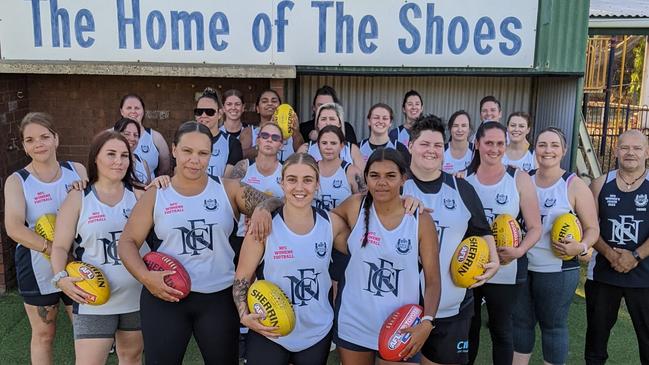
<point x="443" y="33"/>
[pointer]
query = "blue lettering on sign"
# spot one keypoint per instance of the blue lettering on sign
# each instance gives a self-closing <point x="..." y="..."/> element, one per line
<point x="219" y="26"/>
<point x="36" y="21"/>
<point x="346" y="22"/>
<point x="479" y="35"/>
<point x="509" y="35"/>
<point x="438" y="22"/>
<point x="410" y="28"/>
<point x="452" y="35"/>
<point x="365" y="34"/>
<point x="157" y="20"/>
<point x="84" y="22"/>
<point x="187" y="20"/>
<point x="322" y="23"/>
<point x="281" y="23"/>
<point x="123" y="21"/>
<point x="261" y="46"/>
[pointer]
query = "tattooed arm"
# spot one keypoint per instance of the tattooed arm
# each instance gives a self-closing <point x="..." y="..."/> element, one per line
<point x="254" y="204"/>
<point x="252" y="252"/>
<point x="355" y="178"/>
<point x="239" y="170"/>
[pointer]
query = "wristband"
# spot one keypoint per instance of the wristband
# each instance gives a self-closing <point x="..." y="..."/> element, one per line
<point x="58" y="276"/>
<point x="429" y="318"/>
<point x="44" y="246"/>
<point x="585" y="249"/>
<point x="636" y="255"/>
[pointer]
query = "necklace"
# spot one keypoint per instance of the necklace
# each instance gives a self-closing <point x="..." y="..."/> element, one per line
<point x="40" y="177"/>
<point x="630" y="184"/>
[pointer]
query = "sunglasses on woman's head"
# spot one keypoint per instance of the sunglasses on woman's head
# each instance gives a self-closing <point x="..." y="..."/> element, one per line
<point x="274" y="137"/>
<point x="208" y="111"/>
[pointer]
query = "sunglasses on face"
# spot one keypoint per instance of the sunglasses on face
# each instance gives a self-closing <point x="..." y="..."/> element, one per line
<point x="273" y="137"/>
<point x="208" y="111"/>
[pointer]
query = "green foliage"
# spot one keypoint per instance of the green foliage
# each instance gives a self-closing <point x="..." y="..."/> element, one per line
<point x="636" y="75"/>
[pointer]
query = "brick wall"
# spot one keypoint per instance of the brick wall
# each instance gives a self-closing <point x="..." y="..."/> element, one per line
<point x="84" y="105"/>
<point x="13" y="107"/>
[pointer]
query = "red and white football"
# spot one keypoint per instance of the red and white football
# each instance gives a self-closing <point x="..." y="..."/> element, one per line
<point x="157" y="261"/>
<point x="391" y="340"/>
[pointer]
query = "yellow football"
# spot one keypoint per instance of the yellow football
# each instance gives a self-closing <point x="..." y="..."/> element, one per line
<point x="564" y="226"/>
<point x="271" y="302"/>
<point x="468" y="260"/>
<point x="94" y="281"/>
<point x="283" y="116"/>
<point x="44" y="227"/>
<point x="506" y="231"/>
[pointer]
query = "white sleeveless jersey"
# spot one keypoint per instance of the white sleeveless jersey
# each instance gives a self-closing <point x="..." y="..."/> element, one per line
<point x="220" y="154"/>
<point x="98" y="231"/>
<point x="502" y="198"/>
<point x="33" y="270"/>
<point x="266" y="184"/>
<point x="147" y="150"/>
<point x="285" y="151"/>
<point x="401" y="134"/>
<point x="451" y="218"/>
<point x="139" y="171"/>
<point x="553" y="202"/>
<point x="195" y="231"/>
<point x="453" y="165"/>
<point x="525" y="163"/>
<point x="299" y="265"/>
<point x="345" y="153"/>
<point x="379" y="278"/>
<point x="366" y="149"/>
<point x="333" y="189"/>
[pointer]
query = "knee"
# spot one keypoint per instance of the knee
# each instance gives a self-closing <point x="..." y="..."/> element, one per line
<point x="131" y="354"/>
<point x="44" y="335"/>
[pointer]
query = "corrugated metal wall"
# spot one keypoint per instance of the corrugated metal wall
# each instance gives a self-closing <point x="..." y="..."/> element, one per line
<point x="442" y="95"/>
<point x="555" y="106"/>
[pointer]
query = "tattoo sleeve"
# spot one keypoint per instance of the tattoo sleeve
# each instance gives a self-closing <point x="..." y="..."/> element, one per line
<point x="362" y="188"/>
<point x="240" y="294"/>
<point x="239" y="170"/>
<point x="253" y="198"/>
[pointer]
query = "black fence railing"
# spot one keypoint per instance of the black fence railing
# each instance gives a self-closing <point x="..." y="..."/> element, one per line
<point x="621" y="118"/>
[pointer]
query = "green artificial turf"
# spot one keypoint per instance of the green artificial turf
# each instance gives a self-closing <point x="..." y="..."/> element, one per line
<point x="15" y="336"/>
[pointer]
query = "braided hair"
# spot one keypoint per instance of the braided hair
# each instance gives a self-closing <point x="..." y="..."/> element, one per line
<point x="379" y="154"/>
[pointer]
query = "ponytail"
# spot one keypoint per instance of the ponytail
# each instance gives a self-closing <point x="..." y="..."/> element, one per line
<point x="367" y="203"/>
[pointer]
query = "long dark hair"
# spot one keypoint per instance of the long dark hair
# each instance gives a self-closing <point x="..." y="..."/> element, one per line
<point x="380" y="154"/>
<point x="122" y="123"/>
<point x="95" y="146"/>
<point x="484" y="127"/>
<point x="332" y="129"/>
<point x="189" y="127"/>
<point x="267" y="91"/>
<point x="210" y="93"/>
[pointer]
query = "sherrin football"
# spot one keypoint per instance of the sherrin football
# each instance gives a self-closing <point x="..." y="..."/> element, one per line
<point x="391" y="340"/>
<point x="468" y="260"/>
<point x="44" y="227"/>
<point x="158" y="261"/>
<point x="506" y="231"/>
<point x="564" y="226"/>
<point x="271" y="302"/>
<point x="283" y="115"/>
<point x="94" y="282"/>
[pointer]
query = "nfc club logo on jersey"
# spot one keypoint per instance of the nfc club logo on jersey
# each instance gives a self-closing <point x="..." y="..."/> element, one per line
<point x="625" y="230"/>
<point x="326" y="202"/>
<point x="440" y="231"/>
<point x="304" y="287"/>
<point x="383" y="278"/>
<point x="110" y="248"/>
<point x="197" y="237"/>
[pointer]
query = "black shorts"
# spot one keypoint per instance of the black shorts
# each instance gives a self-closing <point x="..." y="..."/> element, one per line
<point x="261" y="350"/>
<point x="448" y="343"/>
<point x="47" y="299"/>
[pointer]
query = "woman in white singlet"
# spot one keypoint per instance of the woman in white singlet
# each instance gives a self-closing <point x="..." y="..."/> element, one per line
<point x="89" y="224"/>
<point x="333" y="114"/>
<point x="412" y="108"/>
<point x="379" y="120"/>
<point x="152" y="146"/>
<point x="191" y="220"/>
<point x="309" y="234"/>
<point x="502" y="190"/>
<point x="37" y="189"/>
<point x="551" y="282"/>
<point x="130" y="129"/>
<point x="518" y="153"/>
<point x="226" y="148"/>
<point x="458" y="152"/>
<point x="338" y="179"/>
<point x="385" y="248"/>
<point x="233" y="108"/>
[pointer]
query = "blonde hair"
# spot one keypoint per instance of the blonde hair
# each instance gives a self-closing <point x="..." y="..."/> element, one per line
<point x="304" y="159"/>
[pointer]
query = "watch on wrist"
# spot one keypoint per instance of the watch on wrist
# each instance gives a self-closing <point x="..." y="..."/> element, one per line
<point x="58" y="276"/>
<point x="636" y="255"/>
<point x="429" y="318"/>
<point x="585" y="251"/>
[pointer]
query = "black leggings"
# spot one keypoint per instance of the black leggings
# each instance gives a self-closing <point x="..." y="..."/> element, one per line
<point x="263" y="351"/>
<point x="167" y="327"/>
<point x="501" y="299"/>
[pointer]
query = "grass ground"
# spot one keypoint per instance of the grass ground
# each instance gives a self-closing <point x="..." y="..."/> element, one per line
<point x="15" y="334"/>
